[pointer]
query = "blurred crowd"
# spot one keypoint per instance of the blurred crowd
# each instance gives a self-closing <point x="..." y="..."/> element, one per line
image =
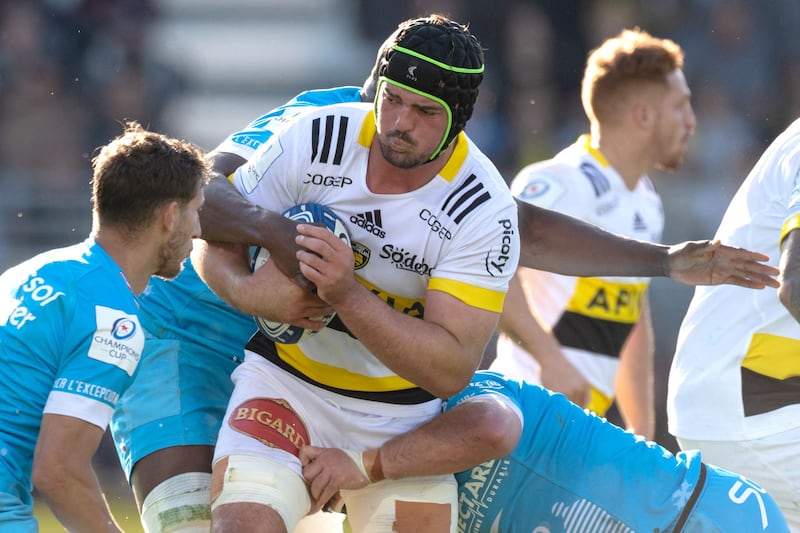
<point x="72" y="70"/>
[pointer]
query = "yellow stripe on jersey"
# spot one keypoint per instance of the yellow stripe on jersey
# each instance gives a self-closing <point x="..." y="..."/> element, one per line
<point x="367" y="132"/>
<point x="457" y="159"/>
<point x="469" y="294"/>
<point x="598" y="402"/>
<point x="340" y="378"/>
<point x="788" y="226"/>
<point x="408" y="306"/>
<point x="773" y="356"/>
<point x="607" y="300"/>
<point x="586" y="142"/>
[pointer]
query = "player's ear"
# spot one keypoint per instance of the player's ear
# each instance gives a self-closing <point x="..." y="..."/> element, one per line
<point x="643" y="114"/>
<point x="170" y="216"/>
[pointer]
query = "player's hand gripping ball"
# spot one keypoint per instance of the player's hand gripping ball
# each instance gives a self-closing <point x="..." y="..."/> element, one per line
<point x="311" y="214"/>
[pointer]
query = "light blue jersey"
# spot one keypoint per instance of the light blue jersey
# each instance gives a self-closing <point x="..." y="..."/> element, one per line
<point x="573" y="471"/>
<point x="70" y="344"/>
<point x="194" y="339"/>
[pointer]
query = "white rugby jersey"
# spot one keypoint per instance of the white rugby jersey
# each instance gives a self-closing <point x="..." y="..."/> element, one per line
<point x="457" y="234"/>
<point x="590" y="317"/>
<point x="736" y="371"/>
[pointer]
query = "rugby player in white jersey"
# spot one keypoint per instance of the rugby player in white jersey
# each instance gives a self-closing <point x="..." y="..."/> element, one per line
<point x="592" y="337"/>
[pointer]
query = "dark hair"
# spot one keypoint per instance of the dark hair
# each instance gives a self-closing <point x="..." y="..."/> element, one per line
<point x="438" y="58"/>
<point x="140" y="171"/>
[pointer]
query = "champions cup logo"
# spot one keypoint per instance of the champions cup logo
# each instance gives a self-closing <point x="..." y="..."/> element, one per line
<point x="124" y="328"/>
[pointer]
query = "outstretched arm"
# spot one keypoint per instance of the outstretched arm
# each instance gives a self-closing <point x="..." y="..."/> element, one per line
<point x="520" y="321"/>
<point x="228" y="217"/>
<point x="559" y="243"/>
<point x="475" y="431"/>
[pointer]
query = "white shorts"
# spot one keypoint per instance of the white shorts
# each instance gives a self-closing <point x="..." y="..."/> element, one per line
<point x="272" y="405"/>
<point x="329" y="419"/>
<point x="773" y="462"/>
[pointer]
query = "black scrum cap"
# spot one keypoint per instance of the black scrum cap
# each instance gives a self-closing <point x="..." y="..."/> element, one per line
<point x="438" y="59"/>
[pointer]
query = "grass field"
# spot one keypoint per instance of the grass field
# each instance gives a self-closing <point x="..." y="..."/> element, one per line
<point x="124" y="512"/>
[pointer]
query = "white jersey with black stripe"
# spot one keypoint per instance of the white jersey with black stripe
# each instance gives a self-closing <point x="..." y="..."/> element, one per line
<point x="457" y="234"/>
<point x="591" y="317"/>
<point x="736" y="370"/>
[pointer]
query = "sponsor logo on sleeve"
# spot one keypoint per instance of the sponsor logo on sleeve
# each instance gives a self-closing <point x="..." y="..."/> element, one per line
<point x="118" y="339"/>
<point x="498" y="257"/>
<point x="37" y="293"/>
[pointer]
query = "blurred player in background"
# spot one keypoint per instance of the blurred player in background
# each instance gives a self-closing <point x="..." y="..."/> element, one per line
<point x="734" y="384"/>
<point x="545" y="464"/>
<point x="592" y="337"/>
<point x="70" y="339"/>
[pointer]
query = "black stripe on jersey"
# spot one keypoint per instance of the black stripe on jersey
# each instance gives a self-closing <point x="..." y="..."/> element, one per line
<point x="762" y="394"/>
<point x="599" y="182"/>
<point x="327" y="140"/>
<point x="464" y="194"/>
<point x="266" y="349"/>
<point x="326" y="145"/>
<point x="337" y="157"/>
<point x="592" y="334"/>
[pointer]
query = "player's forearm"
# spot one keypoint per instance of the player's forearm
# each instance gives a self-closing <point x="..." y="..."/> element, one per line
<point x="559" y="243"/>
<point x="227" y="216"/>
<point x="635" y="378"/>
<point x="454" y="441"/>
<point x="223" y="267"/>
<point x="423" y="352"/>
<point x="79" y="505"/>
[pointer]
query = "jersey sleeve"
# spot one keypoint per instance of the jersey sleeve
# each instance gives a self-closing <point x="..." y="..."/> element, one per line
<point x="482" y="258"/>
<point x="555" y="186"/>
<point x="269" y="179"/>
<point x="489" y="384"/>
<point x="245" y="142"/>
<point x="791" y="168"/>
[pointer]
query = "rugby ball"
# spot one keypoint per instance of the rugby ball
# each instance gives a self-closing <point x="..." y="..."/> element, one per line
<point x="308" y="213"/>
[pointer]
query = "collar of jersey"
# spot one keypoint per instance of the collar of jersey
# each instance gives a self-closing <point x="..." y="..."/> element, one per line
<point x="585" y="141"/>
<point x="453" y="164"/>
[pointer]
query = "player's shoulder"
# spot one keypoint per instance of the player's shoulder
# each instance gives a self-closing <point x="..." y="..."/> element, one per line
<point x="355" y="109"/>
<point x="470" y="169"/>
<point x="323" y="97"/>
<point x="545" y="182"/>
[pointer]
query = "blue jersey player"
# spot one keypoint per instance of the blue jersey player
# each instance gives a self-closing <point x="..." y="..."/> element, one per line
<point x="70" y="339"/>
<point x="546" y="465"/>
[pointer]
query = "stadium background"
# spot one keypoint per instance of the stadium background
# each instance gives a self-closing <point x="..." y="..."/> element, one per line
<point x="72" y="70"/>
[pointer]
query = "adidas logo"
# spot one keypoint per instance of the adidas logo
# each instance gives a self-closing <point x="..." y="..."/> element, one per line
<point x="638" y="223"/>
<point x="370" y="221"/>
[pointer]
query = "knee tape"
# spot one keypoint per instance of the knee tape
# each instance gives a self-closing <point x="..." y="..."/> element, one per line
<point x="180" y="504"/>
<point x="266" y="482"/>
<point x="404" y="505"/>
